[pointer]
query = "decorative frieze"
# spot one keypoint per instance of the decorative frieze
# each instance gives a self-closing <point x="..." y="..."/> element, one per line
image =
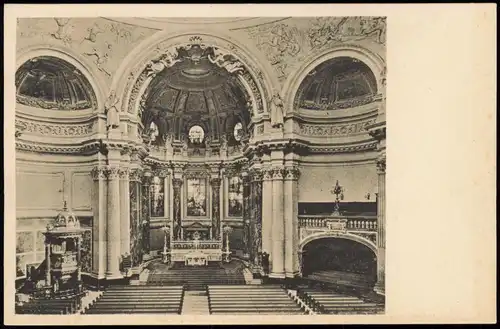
<point x="47" y="129"/>
<point x="334" y="130"/>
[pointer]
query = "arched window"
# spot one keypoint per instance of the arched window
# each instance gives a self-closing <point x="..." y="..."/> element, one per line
<point x="238" y="131"/>
<point x="196" y="134"/>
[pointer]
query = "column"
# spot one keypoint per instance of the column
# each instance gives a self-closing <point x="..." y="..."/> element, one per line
<point x="246" y="216"/>
<point x="215" y="183"/>
<point x="113" y="225"/>
<point x="135" y="216"/>
<point x="380" y="285"/>
<point x="78" y="243"/>
<point x="146" y="210"/>
<point x="278" y="229"/>
<point x="256" y="225"/>
<point x="291" y="221"/>
<point x="47" y="258"/>
<point x="176" y="220"/>
<point x="267" y="211"/>
<point x="125" y="211"/>
<point x="99" y="222"/>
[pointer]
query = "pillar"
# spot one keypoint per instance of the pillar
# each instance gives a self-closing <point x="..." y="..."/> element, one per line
<point x="135" y="215"/>
<point x="78" y="243"/>
<point x="215" y="183"/>
<point x="380" y="285"/>
<point x="291" y="212"/>
<point x="113" y="224"/>
<point x="176" y="225"/>
<point x="47" y="257"/>
<point x="267" y="212"/>
<point x="246" y="216"/>
<point x="99" y="222"/>
<point x="278" y="229"/>
<point x="146" y="210"/>
<point x="256" y="218"/>
<point x="125" y="211"/>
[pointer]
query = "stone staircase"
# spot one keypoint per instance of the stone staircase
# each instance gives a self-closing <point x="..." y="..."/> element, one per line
<point x="195" y="302"/>
<point x="139" y="299"/>
<point x="251" y="299"/>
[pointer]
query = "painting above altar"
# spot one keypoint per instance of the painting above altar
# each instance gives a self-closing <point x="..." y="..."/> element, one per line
<point x="196" y="205"/>
<point x="235" y="197"/>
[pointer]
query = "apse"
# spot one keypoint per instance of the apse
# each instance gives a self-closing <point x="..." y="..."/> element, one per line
<point x="197" y="101"/>
<point x="51" y="83"/>
<point x="338" y="83"/>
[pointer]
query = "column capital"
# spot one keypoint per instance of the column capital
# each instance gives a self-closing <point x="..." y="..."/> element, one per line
<point x="292" y="173"/>
<point x="135" y="174"/>
<point x="124" y="173"/>
<point x="98" y="172"/>
<point x="381" y="165"/>
<point x="177" y="182"/>
<point x="162" y="173"/>
<point x="268" y="174"/>
<point x="256" y="174"/>
<point x="113" y="172"/>
<point x="278" y="172"/>
<point x="215" y="182"/>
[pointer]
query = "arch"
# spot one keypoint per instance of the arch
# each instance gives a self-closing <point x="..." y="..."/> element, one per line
<point x="373" y="61"/>
<point x="347" y="236"/>
<point x="72" y="58"/>
<point x="127" y="82"/>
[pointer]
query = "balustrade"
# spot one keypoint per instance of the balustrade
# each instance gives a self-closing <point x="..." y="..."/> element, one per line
<point x="352" y="223"/>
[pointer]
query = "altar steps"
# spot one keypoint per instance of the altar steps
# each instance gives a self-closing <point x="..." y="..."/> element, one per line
<point x="139" y="299"/>
<point x="251" y="299"/>
<point x="196" y="278"/>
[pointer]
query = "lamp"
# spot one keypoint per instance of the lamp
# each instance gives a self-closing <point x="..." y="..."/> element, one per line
<point x="338" y="190"/>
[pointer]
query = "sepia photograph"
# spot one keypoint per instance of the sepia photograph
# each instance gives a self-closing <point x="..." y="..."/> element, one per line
<point x="195" y="166"/>
<point x="240" y="172"/>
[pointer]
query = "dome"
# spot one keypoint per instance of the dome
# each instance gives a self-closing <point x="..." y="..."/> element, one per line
<point x="64" y="221"/>
<point x="196" y="92"/>
<point x="338" y="83"/>
<point x="54" y="84"/>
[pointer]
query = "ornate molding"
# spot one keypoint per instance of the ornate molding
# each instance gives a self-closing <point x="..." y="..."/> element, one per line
<point x="189" y="174"/>
<point x="112" y="172"/>
<point x="335" y="129"/>
<point x="354" y="102"/>
<point x="292" y="173"/>
<point x="63" y="106"/>
<point x="215" y="182"/>
<point x="98" y="173"/>
<point x="55" y="129"/>
<point x="377" y="132"/>
<point x="343" y="149"/>
<point x="267" y="174"/>
<point x="278" y="173"/>
<point x="177" y="183"/>
<point x="91" y="147"/>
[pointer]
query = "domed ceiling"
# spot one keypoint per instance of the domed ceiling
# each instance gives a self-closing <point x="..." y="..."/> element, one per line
<point x="339" y="83"/>
<point x="195" y="93"/>
<point x="52" y="83"/>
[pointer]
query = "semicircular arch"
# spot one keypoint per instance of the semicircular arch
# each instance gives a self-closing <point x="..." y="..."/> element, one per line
<point x="347" y="236"/>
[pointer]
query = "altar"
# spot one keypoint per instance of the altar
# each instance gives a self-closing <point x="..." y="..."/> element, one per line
<point x="196" y="258"/>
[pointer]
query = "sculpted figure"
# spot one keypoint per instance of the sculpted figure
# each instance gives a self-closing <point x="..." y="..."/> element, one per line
<point x="166" y="60"/>
<point x="277" y="110"/>
<point x="112" y="115"/>
<point x="223" y="143"/>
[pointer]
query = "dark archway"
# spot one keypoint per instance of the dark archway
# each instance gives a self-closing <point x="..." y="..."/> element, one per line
<point x="338" y="255"/>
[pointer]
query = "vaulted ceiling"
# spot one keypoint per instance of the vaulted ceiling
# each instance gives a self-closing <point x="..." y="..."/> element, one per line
<point x="51" y="83"/>
<point x="195" y="93"/>
<point x="337" y="83"/>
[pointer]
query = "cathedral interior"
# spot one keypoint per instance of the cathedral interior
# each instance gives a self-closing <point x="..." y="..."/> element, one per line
<point x="230" y="157"/>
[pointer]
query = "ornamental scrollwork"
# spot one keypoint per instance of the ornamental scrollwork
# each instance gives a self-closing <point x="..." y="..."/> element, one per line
<point x="334" y="130"/>
<point x="55" y="129"/>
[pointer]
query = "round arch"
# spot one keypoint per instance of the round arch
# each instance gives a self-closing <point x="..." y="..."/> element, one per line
<point x="76" y="60"/>
<point x="373" y="61"/>
<point x="125" y="81"/>
<point x="347" y="236"/>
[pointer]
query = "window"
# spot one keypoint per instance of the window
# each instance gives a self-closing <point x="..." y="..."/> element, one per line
<point x="196" y="134"/>
<point x="238" y="131"/>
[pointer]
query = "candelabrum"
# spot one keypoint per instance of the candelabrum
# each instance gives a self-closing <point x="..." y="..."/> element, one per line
<point x="226" y="254"/>
<point x="166" y="254"/>
<point x="338" y="190"/>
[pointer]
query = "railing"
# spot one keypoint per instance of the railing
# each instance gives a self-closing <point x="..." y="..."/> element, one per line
<point x="352" y="223"/>
<point x="197" y="245"/>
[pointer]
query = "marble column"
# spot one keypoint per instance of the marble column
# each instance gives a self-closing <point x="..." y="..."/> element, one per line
<point x="291" y="213"/>
<point x="99" y="222"/>
<point x="267" y="212"/>
<point x="78" y="243"/>
<point x="125" y="211"/>
<point x="146" y="210"/>
<point x="113" y="225"/>
<point x="278" y="229"/>
<point x="48" y="264"/>
<point x="215" y="183"/>
<point x="177" y="229"/>
<point x="380" y="285"/>
<point x="256" y="220"/>
<point x="135" y="216"/>
<point x="246" y="216"/>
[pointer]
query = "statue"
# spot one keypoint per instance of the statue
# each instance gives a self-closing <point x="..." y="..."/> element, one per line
<point x="112" y="115"/>
<point x="277" y="110"/>
<point x="223" y="143"/>
<point x="169" y="138"/>
<point x="207" y="142"/>
<point x="185" y="144"/>
<point x="165" y="61"/>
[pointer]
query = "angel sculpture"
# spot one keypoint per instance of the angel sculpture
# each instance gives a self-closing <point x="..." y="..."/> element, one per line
<point x="230" y="66"/>
<point x="277" y="110"/>
<point x="112" y="115"/>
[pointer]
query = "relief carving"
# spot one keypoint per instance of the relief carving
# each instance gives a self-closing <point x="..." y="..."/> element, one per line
<point x="334" y="130"/>
<point x="55" y="129"/>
